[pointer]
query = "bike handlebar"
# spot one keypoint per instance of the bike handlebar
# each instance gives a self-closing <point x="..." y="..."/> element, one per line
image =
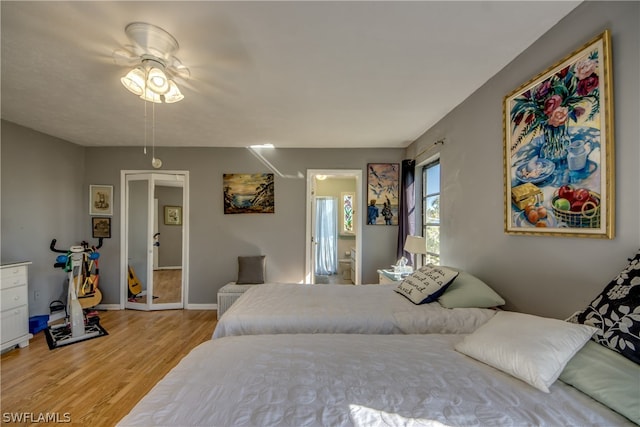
<point x="84" y="244"/>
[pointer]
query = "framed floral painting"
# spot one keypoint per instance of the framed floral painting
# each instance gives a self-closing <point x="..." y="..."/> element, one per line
<point x="558" y="148"/>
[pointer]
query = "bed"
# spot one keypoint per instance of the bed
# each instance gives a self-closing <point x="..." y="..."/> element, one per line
<point x="516" y="369"/>
<point x="277" y="308"/>
<point x="355" y="380"/>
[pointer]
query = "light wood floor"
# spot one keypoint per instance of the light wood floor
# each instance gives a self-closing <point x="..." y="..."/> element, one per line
<point x="166" y="286"/>
<point x="97" y="382"/>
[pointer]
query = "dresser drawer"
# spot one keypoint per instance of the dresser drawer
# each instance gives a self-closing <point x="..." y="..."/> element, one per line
<point x="13" y="276"/>
<point x="15" y="323"/>
<point x="13" y="297"/>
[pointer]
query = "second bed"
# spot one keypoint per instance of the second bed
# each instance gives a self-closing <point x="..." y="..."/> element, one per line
<point x="367" y="309"/>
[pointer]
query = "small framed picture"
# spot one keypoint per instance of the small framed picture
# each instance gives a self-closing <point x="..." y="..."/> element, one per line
<point x="101" y="200"/>
<point x="100" y="227"/>
<point x="173" y="215"/>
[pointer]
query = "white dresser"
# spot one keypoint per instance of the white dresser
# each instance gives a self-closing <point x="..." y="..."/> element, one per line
<point x="352" y="265"/>
<point x="14" y="299"/>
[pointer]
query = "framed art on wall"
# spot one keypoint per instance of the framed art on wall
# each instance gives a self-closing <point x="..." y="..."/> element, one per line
<point x="101" y="200"/>
<point x="347" y="224"/>
<point x="382" y="193"/>
<point x="248" y="193"/>
<point x="173" y="215"/>
<point x="101" y="227"/>
<point x="558" y="148"/>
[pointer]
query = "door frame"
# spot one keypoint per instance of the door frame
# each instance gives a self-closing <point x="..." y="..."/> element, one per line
<point x="310" y="192"/>
<point x="165" y="177"/>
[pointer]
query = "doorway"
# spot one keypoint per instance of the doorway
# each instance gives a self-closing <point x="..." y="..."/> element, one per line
<point x="154" y="240"/>
<point x="343" y="186"/>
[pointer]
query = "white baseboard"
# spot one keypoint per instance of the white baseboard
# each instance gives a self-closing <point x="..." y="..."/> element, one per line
<point x="60" y="315"/>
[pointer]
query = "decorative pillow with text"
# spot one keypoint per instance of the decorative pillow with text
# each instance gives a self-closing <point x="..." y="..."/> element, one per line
<point x="426" y="284"/>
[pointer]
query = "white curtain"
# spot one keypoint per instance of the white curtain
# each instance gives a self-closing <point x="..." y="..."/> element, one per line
<point x="326" y="235"/>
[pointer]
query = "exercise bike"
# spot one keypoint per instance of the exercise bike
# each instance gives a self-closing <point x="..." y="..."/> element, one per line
<point x="78" y="261"/>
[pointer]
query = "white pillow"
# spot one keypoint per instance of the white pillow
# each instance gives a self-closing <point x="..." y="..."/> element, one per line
<point x="426" y="284"/>
<point x="531" y="348"/>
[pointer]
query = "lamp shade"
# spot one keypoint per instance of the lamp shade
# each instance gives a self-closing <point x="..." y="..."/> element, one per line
<point x="157" y="81"/>
<point x="174" y="94"/>
<point x="151" y="96"/>
<point x="415" y="245"/>
<point x="134" y="81"/>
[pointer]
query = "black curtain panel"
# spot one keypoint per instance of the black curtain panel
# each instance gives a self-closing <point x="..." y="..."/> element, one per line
<point x="407" y="207"/>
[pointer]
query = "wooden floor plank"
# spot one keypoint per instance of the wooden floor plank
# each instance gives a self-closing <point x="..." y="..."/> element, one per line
<point x="98" y="381"/>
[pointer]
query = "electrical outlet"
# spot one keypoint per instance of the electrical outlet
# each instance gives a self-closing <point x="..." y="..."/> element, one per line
<point x="36" y="295"/>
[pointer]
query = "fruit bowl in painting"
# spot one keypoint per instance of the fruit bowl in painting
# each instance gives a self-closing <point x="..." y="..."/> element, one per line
<point x="588" y="217"/>
<point x="535" y="171"/>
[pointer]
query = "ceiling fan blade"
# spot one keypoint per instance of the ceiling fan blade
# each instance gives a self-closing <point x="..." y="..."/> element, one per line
<point x="125" y="57"/>
<point x="179" y="71"/>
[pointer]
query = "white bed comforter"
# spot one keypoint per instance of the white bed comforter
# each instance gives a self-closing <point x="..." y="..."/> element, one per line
<point x="353" y="380"/>
<point x="372" y="309"/>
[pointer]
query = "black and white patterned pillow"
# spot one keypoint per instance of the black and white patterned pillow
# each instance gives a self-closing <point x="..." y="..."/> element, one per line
<point x="616" y="313"/>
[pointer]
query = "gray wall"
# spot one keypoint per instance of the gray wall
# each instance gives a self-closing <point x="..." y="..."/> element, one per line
<point x="216" y="239"/>
<point x="45" y="184"/>
<point x="552" y="276"/>
<point x="44" y="197"/>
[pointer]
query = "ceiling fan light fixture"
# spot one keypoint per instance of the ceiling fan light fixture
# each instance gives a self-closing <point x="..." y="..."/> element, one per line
<point x="152" y="49"/>
<point x="174" y="94"/>
<point x="151" y="96"/>
<point x="134" y="81"/>
<point x="157" y="81"/>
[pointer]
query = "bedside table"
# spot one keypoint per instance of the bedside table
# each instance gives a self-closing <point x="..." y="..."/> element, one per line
<point x="389" y="277"/>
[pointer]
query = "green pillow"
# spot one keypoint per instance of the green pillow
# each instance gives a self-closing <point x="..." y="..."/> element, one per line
<point x="606" y="376"/>
<point x="469" y="291"/>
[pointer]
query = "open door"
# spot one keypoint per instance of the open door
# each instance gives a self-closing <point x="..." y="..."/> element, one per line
<point x="353" y="240"/>
<point x="146" y="285"/>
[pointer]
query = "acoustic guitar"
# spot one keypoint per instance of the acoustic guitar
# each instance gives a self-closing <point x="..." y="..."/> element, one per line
<point x="134" y="283"/>
<point x="88" y="294"/>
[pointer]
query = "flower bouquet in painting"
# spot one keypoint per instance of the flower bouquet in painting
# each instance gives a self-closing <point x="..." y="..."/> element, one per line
<point x="569" y="96"/>
<point x="558" y="138"/>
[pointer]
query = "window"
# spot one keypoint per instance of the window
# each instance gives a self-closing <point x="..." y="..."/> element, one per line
<point x="347" y="213"/>
<point x="431" y="211"/>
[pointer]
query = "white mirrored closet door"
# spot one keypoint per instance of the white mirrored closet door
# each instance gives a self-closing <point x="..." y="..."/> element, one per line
<point x="154" y="257"/>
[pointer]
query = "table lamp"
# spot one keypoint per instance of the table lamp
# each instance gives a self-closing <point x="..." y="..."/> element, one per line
<point x="415" y="245"/>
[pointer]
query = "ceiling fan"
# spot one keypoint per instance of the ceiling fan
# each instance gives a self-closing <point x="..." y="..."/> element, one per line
<point x="151" y="53"/>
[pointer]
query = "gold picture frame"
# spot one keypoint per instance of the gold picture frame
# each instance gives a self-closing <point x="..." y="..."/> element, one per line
<point x="173" y="215"/>
<point x="559" y="149"/>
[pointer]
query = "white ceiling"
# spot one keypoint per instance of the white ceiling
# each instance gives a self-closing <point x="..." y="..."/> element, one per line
<point x="294" y="74"/>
